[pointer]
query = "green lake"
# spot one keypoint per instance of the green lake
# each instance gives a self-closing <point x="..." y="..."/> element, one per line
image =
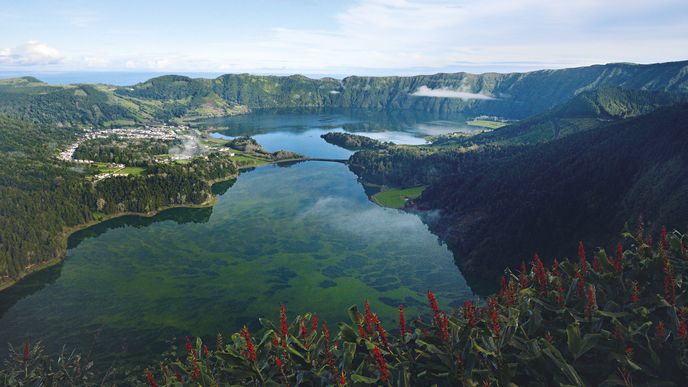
<point x="305" y="235"/>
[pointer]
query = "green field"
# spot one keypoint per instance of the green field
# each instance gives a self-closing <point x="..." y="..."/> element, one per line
<point x="131" y="171"/>
<point x="397" y="197"/>
<point x="488" y="124"/>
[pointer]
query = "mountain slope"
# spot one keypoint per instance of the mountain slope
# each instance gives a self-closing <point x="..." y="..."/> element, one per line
<point x="515" y="95"/>
<point x="549" y="196"/>
<point x="585" y="111"/>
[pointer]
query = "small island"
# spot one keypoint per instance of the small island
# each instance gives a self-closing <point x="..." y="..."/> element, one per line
<point x="353" y="142"/>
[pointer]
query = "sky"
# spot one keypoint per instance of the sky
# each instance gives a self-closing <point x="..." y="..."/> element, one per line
<point x="341" y="37"/>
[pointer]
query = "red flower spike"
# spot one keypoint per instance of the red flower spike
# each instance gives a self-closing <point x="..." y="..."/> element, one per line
<point x="342" y="379"/>
<point x="502" y="287"/>
<point x="150" y="379"/>
<point x="444" y="327"/>
<point x="660" y="331"/>
<point x="304" y="332"/>
<point x="314" y="323"/>
<point x="380" y="330"/>
<point x="492" y="308"/>
<point x="278" y="363"/>
<point x="250" y="348"/>
<point x="583" y="262"/>
<point x="381" y="364"/>
<point x="368" y="317"/>
<point x="682" y="329"/>
<point x="435" y="307"/>
<point x="402" y="321"/>
<point x="540" y="274"/>
<point x="469" y="313"/>
<point x="206" y="352"/>
<point x="669" y="282"/>
<point x="591" y="304"/>
<point x="27" y="350"/>
<point x="596" y="265"/>
<point x="284" y="326"/>
<point x="629" y="351"/>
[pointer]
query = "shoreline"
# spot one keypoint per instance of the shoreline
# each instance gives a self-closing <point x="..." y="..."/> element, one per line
<point x="68" y="231"/>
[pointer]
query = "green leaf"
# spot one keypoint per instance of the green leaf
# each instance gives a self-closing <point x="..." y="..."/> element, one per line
<point x="364" y="379"/>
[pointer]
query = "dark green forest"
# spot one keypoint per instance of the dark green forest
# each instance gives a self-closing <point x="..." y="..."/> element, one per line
<point x="43" y="197"/>
<point x="498" y="203"/>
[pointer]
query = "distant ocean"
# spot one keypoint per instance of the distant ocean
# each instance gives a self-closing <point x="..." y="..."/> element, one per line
<point x="121" y="78"/>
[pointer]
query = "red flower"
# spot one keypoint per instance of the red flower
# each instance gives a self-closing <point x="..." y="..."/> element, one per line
<point x="469" y="313"/>
<point x="329" y="359"/>
<point x="492" y="307"/>
<point x="669" y="282"/>
<point x="284" y="327"/>
<point x="591" y="303"/>
<point x="682" y="329"/>
<point x="150" y="379"/>
<point x="596" y="264"/>
<point x="511" y="293"/>
<point x="381" y="364"/>
<point x="275" y="340"/>
<point x="342" y="379"/>
<point x="659" y="334"/>
<point x="278" y="363"/>
<point x="402" y="321"/>
<point x="618" y="258"/>
<point x="189" y="348"/>
<point x="206" y="352"/>
<point x="444" y="327"/>
<point x="178" y="376"/>
<point x="250" y="348"/>
<point x="664" y="243"/>
<point x="26" y="351"/>
<point x="304" y="332"/>
<point x="540" y="273"/>
<point x="583" y="262"/>
<point x="433" y="304"/>
<point x="629" y="351"/>
<point x="380" y="330"/>
<point x="368" y="317"/>
<point x="635" y="292"/>
<point x="314" y="323"/>
<point x="561" y="297"/>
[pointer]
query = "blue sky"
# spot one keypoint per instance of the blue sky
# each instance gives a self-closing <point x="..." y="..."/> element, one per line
<point x="337" y="37"/>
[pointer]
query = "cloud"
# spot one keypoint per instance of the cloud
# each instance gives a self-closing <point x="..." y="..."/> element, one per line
<point x="442" y="92"/>
<point x="31" y="53"/>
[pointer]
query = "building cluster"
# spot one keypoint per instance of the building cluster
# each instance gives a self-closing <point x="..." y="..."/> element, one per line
<point x="163" y="132"/>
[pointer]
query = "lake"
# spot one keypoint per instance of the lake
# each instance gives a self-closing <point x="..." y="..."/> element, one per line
<point x="304" y="234"/>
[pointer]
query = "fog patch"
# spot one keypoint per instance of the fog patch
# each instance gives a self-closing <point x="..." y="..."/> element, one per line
<point x="348" y="216"/>
<point x="445" y="92"/>
<point x="190" y="147"/>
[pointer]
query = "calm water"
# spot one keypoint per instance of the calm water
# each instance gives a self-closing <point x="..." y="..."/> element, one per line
<point x="305" y="235"/>
<point x="300" y="131"/>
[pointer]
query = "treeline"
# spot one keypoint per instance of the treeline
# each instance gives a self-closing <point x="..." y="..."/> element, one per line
<point x="139" y="152"/>
<point x="41" y="196"/>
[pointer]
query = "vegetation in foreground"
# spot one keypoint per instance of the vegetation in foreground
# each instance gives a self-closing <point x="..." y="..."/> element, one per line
<point x="397" y="197"/>
<point x="610" y="320"/>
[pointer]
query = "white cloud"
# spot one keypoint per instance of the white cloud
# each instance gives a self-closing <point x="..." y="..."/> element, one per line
<point x="30" y="53"/>
<point x="442" y="92"/>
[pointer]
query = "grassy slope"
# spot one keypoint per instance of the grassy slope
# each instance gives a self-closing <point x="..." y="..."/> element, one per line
<point x="397" y="197"/>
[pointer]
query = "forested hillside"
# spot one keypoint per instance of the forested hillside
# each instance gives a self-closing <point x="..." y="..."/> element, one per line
<point x="42" y="197"/>
<point x="585" y="186"/>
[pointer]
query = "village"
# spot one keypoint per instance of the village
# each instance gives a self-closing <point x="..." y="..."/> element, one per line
<point x="161" y="132"/>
